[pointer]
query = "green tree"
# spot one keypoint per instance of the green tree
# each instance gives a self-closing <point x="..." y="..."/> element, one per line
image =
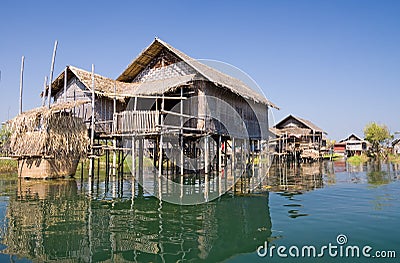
<point x="376" y="134"/>
<point x="5" y="134"/>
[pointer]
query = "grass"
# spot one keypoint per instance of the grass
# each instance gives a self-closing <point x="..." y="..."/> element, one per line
<point x="8" y="166"/>
<point x="358" y="159"/>
<point x="394" y="158"/>
<point x="334" y="156"/>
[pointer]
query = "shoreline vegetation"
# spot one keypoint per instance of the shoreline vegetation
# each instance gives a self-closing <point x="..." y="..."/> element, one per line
<point x="8" y="166"/>
<point x="358" y="159"/>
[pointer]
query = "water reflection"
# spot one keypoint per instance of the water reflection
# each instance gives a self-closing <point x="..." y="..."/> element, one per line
<point x="57" y="221"/>
<point x="114" y="220"/>
<point x="289" y="177"/>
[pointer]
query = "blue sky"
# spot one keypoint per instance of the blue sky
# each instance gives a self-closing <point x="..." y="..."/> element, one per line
<point x="336" y="63"/>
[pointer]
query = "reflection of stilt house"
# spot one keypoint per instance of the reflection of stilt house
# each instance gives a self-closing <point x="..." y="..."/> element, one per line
<point x="298" y="139"/>
<point x="143" y="230"/>
<point x="164" y="93"/>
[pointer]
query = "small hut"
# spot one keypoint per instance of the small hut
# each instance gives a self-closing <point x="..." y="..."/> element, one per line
<point x="48" y="142"/>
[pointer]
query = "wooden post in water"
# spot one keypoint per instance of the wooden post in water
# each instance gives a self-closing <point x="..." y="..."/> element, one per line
<point x="114" y="163"/>
<point x="133" y="157"/>
<point x="233" y="154"/>
<point x="160" y="160"/>
<point x="98" y="169"/>
<point x="21" y="84"/>
<point x="219" y="154"/>
<point x="206" y="155"/>
<point x="121" y="163"/>
<point x="82" y="171"/>
<point x="181" y="137"/>
<point x="51" y="73"/>
<point x="92" y="127"/>
<point x="107" y="162"/>
<point x="253" y="154"/>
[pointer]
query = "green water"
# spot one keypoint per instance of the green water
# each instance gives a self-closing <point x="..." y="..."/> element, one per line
<point x="74" y="221"/>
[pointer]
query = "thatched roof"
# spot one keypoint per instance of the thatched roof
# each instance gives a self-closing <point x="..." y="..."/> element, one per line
<point x="161" y="86"/>
<point x="292" y="131"/>
<point x="103" y="85"/>
<point x="305" y="123"/>
<point x="49" y="132"/>
<point x="211" y="74"/>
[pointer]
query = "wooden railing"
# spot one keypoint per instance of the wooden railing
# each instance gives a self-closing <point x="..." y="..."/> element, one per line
<point x="128" y="122"/>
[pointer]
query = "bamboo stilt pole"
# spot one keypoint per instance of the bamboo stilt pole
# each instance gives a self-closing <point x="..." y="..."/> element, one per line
<point x="141" y="157"/>
<point x="206" y="157"/>
<point x="51" y="73"/>
<point x="92" y="127"/>
<point x="181" y="139"/>
<point x="114" y="164"/>
<point x="133" y="157"/>
<point x="219" y="154"/>
<point x="160" y="160"/>
<point x="21" y="84"/>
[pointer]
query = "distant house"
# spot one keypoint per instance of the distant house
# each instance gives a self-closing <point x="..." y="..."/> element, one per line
<point x="396" y="146"/>
<point x="299" y="136"/>
<point x="351" y="145"/>
<point x="340" y="148"/>
<point x="304" y="131"/>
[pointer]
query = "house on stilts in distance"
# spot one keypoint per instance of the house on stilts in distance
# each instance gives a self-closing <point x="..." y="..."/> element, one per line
<point x="184" y="115"/>
<point x="297" y="139"/>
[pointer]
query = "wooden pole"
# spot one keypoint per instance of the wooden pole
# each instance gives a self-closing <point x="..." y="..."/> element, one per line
<point x="181" y="139"/>
<point x="74" y="101"/>
<point x="219" y="154"/>
<point x="133" y="157"/>
<point x="141" y="158"/>
<point x="21" y="84"/>
<point x="92" y="126"/>
<point x="51" y="73"/>
<point x="65" y="83"/>
<point x="233" y="154"/>
<point x="114" y="165"/>
<point x="206" y="157"/>
<point x="160" y="161"/>
<point x="44" y="91"/>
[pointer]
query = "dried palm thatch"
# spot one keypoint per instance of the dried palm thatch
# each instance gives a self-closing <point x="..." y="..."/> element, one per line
<point x="53" y="133"/>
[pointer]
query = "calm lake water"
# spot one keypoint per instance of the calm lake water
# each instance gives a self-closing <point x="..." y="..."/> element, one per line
<point x="331" y="204"/>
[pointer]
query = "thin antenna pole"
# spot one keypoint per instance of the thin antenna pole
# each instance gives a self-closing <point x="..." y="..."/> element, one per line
<point x="51" y="72"/>
<point x="21" y="84"/>
<point x="44" y="91"/>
